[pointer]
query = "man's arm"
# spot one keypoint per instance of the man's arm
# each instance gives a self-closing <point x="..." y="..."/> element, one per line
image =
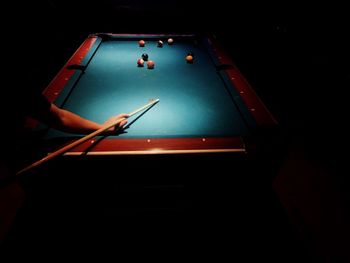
<point x="68" y="121"/>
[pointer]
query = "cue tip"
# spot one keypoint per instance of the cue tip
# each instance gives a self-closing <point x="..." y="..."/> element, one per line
<point x="153" y="101"/>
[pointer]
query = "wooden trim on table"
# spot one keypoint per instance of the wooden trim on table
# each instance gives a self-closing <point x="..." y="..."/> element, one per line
<point x="143" y="35"/>
<point x="60" y="80"/>
<point x="155" y="146"/>
<point x="55" y="87"/>
<point x="256" y="107"/>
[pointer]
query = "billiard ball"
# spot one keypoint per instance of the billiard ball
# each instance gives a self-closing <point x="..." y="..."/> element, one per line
<point x="142" y="43"/>
<point x="160" y="43"/>
<point x="150" y="64"/>
<point x="170" y="41"/>
<point x="140" y="62"/>
<point x="189" y="58"/>
<point x="144" y="56"/>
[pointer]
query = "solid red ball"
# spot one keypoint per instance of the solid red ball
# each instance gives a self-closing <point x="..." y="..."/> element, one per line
<point x="140" y="62"/>
<point x="142" y="43"/>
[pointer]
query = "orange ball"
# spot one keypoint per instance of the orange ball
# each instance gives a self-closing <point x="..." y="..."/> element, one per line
<point x="150" y="64"/>
<point x="189" y="58"/>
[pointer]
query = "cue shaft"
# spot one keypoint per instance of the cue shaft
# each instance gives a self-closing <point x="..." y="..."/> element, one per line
<point x="83" y="139"/>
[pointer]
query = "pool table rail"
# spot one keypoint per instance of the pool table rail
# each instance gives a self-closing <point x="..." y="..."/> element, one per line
<point x="256" y="107"/>
<point x="138" y="146"/>
<point x="154" y="146"/>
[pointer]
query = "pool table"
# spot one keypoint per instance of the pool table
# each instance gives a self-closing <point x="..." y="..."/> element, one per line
<point x="206" y="106"/>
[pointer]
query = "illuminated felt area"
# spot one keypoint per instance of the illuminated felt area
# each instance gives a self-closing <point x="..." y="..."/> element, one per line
<point x="195" y="99"/>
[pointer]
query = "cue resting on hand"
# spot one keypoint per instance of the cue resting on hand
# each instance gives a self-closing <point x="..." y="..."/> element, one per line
<point x="85" y="138"/>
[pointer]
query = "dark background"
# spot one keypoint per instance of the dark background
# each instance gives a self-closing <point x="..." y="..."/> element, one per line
<point x="294" y="55"/>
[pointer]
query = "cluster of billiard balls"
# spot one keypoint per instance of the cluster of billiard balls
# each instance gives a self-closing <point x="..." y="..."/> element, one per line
<point x="141" y="61"/>
<point x="150" y="63"/>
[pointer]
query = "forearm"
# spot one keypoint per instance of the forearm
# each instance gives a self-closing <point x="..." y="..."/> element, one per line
<point x="70" y="122"/>
<point x="73" y="123"/>
<point x="67" y="121"/>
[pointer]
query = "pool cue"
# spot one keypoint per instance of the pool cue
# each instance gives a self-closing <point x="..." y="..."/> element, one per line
<point x="85" y="138"/>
